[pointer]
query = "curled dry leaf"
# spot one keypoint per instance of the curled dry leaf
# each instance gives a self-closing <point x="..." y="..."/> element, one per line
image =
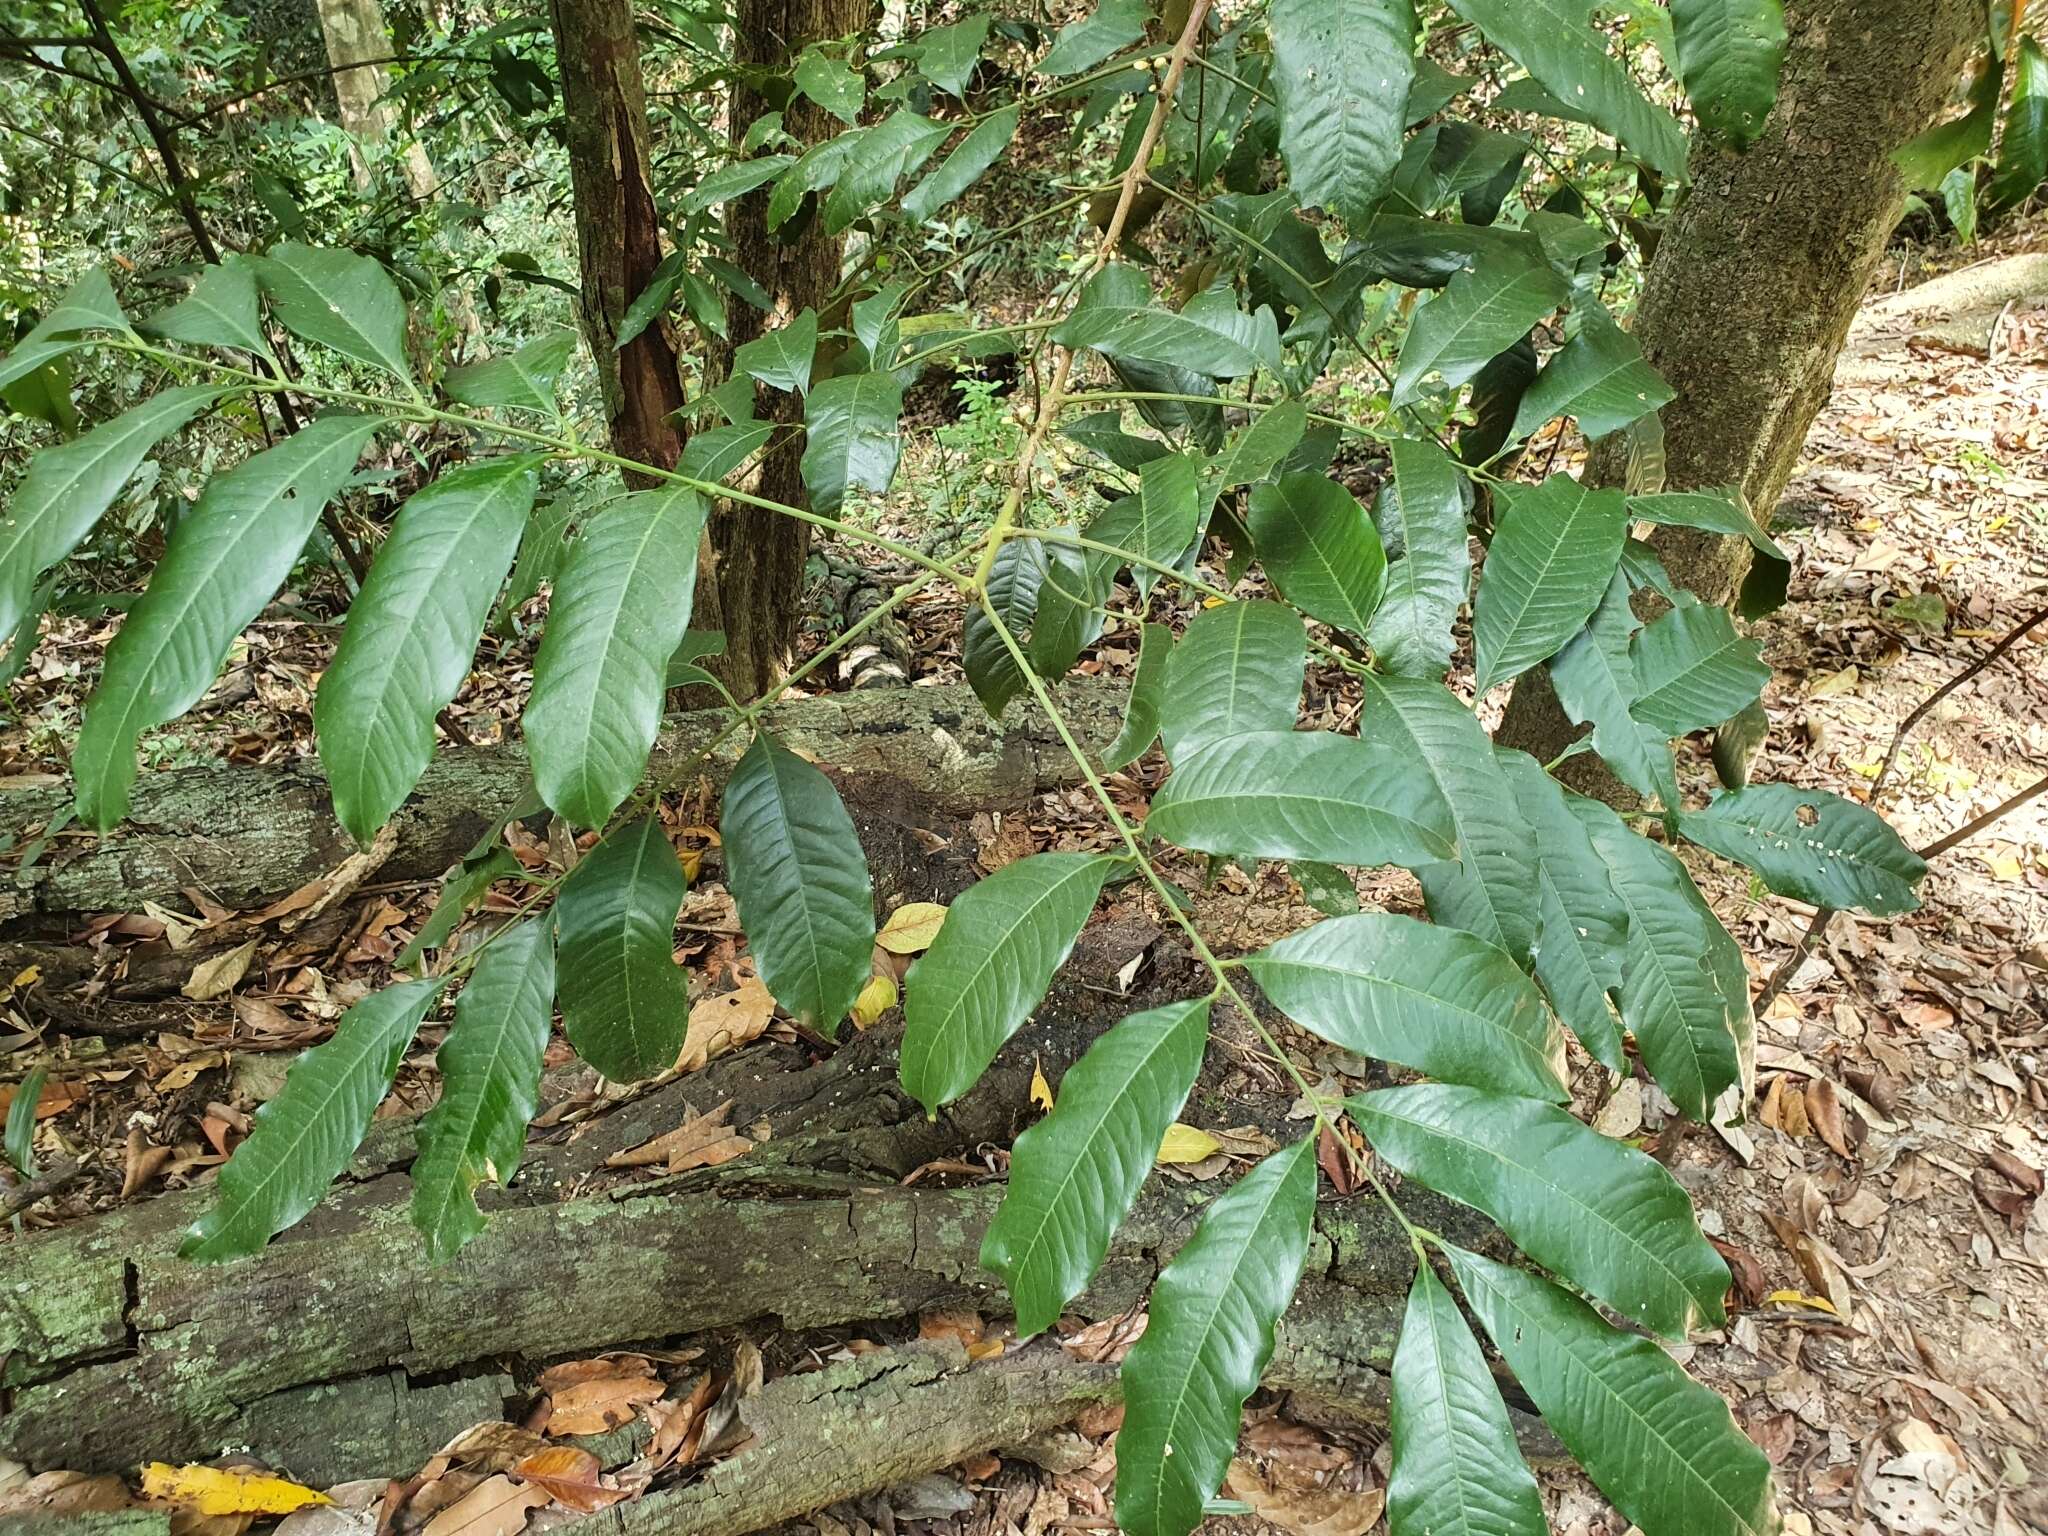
<point x="725" y="1023"/>
<point x="702" y="1141"/>
<point x="1307" y="1511"/>
<point x="1824" y="1114"/>
<point x="572" y="1476"/>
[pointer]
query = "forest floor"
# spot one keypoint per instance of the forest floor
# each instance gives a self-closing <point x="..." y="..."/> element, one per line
<point x="1880" y="1211"/>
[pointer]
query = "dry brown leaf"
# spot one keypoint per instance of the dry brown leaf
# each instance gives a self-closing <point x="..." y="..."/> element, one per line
<point x="142" y="1163"/>
<point x="571" y="1475"/>
<point x="679" y="1425"/>
<point x="725" y="1023"/>
<point x="1824" y="1113"/>
<point x="1307" y="1511"/>
<point x="592" y="1407"/>
<point x="951" y="1323"/>
<point x="495" y="1507"/>
<point x="220" y="975"/>
<point x="492" y="1446"/>
<point x="694" y="1133"/>
<point x="66" y="1493"/>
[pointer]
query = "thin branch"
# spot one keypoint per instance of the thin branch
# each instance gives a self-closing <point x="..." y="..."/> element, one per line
<point x="52" y="1180"/>
<point x="1970" y="829"/>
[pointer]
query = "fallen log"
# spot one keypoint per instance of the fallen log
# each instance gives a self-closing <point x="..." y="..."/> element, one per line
<point x="248" y="835"/>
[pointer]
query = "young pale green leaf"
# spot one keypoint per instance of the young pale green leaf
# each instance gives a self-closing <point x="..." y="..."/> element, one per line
<point x="1320" y="548"/>
<point x="801" y="882"/>
<point x="1342" y="68"/>
<point x="1238" y="668"/>
<point x="1599" y="376"/>
<point x="1491" y="888"/>
<point x="1420" y="514"/>
<point x="411" y="633"/>
<point x="1083" y="44"/>
<point x="1812" y="846"/>
<point x="1014" y="582"/>
<point x="1302" y="795"/>
<point x="1659" y="1444"/>
<point x="2023" y="145"/>
<point x="523" y="380"/>
<point x="1482" y="311"/>
<point x="1118" y="316"/>
<point x="1436" y="999"/>
<point x="1208" y="1341"/>
<point x="1722" y="511"/>
<point x="1148" y="693"/>
<point x="619" y="610"/>
<point x="338" y="299"/>
<point x="782" y="358"/>
<point x="1075" y="1174"/>
<point x="625" y="1001"/>
<point x="961" y="169"/>
<point x="833" y="86"/>
<point x="1553" y="554"/>
<point x="1596" y="683"/>
<point x="69" y="487"/>
<point x="1608" y="1218"/>
<point x="222" y="310"/>
<point x="1457" y="1470"/>
<point x="304" y="1137"/>
<point x="1729" y="53"/>
<point x="1693" y="670"/>
<point x="850" y="437"/>
<point x="1583" y="929"/>
<point x="1684" y="989"/>
<point x="989" y="966"/>
<point x="490" y="1085"/>
<point x="225" y="560"/>
<point x="1554" y="41"/>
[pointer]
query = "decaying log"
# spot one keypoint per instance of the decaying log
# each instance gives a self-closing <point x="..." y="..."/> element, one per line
<point x="248" y="835"/>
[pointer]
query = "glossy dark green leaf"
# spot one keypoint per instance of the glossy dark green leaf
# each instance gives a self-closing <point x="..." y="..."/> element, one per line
<point x="1439" y="1000"/>
<point x="1101" y="432"/>
<point x="1481" y="312"/>
<point x="1813" y="846"/>
<point x="1342" y="69"/>
<point x="850" y="437"/>
<point x="1014" y="582"/>
<point x="625" y="1001"/>
<point x="1118" y="316"/>
<point x="800" y="880"/>
<point x="1325" y="887"/>
<point x="1926" y="160"/>
<point x="226" y="559"/>
<point x="1083" y="44"/>
<point x="1554" y="551"/>
<point x="889" y="151"/>
<point x="782" y="358"/>
<point x="2023" y="145"/>
<point x="1148" y="694"/>
<point x="1320" y="548"/>
<point x="522" y="380"/>
<point x="1723" y="511"/>
<point x="412" y="632"/>
<point x="21" y="1120"/>
<point x="490" y="1085"/>
<point x="1596" y="683"/>
<point x="1420" y="513"/>
<point x="1729" y="54"/>
<point x="1599" y="377"/>
<point x="1075" y="1174"/>
<point x="1238" y="668"/>
<point x="222" y="310"/>
<point x="964" y="166"/>
<point x="1070" y="616"/>
<point x="345" y="302"/>
<point x="988" y="968"/>
<point x="1693" y="670"/>
<point x="304" y="1137"/>
<point x="1208" y="1340"/>
<point x="735" y="180"/>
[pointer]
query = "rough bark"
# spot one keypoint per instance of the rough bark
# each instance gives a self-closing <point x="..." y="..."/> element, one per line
<point x="761" y="553"/>
<point x="356" y="38"/>
<point x="247" y="835"/>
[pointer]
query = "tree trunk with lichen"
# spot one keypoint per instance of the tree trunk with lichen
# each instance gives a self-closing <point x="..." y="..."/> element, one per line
<point x="358" y="43"/>
<point x="1761" y="271"/>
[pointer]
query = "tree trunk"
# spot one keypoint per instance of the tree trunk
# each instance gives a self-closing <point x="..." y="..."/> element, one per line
<point x="357" y="39"/>
<point x="761" y="553"/>
<point x="1761" y="271"/>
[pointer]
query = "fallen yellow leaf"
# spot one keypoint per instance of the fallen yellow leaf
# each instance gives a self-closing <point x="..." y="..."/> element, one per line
<point x="911" y="927"/>
<point x="1185" y="1144"/>
<point x="1041" y="1090"/>
<point x="28" y="977"/>
<point x="876" y="999"/>
<point x="220" y="975"/>
<point x="1799" y="1299"/>
<point x="213" y="1491"/>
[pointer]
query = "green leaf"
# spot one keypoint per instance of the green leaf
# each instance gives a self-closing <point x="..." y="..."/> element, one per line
<point x="1014" y="582"/>
<point x="833" y="86"/>
<point x="1608" y="1218"/>
<point x="1812" y="846"/>
<point x="1118" y="316"/>
<point x="522" y="380"/>
<point x="21" y="1121"/>
<point x="1083" y="44"/>
<point x="1457" y="1470"/>
<point x="1075" y="1174"/>
<point x="801" y="883"/>
<point x="1693" y="671"/>
<point x="1554" y="551"/>
<point x="1428" y="253"/>
<point x="1276" y="794"/>
<point x="782" y="358"/>
<point x="1925" y="161"/>
<point x="1160" y="521"/>
<point x="1342" y="68"/>
<point x="889" y="151"/>
<point x="490" y="1085"/>
<point x="701" y="299"/>
<point x="946" y="56"/>
<point x="305" y="1136"/>
<point x="69" y="487"/>
<point x="1148" y="695"/>
<point x="974" y="154"/>
<point x="1320" y="548"/>
<point x="1554" y="42"/>
<point x="222" y="310"/>
<point x="1261" y="447"/>
<point x="1722" y="511"/>
<point x="850" y="437"/>
<point x="412" y="632"/>
<point x="1491" y="889"/>
<point x="716" y="452"/>
<point x="735" y="180"/>
<point x="2023" y="147"/>
<point x="991" y="963"/>
<point x="625" y="1001"/>
<point x="1439" y="1000"/>
<point x="1599" y="376"/>
<point x="1208" y="1341"/>
<point x="619" y="610"/>
<point x="462" y="890"/>
<point x="1596" y="683"/>
<point x="1420" y="514"/>
<point x="1729" y="53"/>
<point x="1070" y="613"/>
<point x="1664" y="1448"/>
<point x="1684" y="989"/>
<point x="652" y="301"/>
<point x="343" y="301"/>
<point x="1583" y="925"/>
<point x="1101" y="432"/>
<point x="1238" y="668"/>
<point x="88" y="305"/>
<point x="226" y="559"/>
<point x="1481" y="312"/>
